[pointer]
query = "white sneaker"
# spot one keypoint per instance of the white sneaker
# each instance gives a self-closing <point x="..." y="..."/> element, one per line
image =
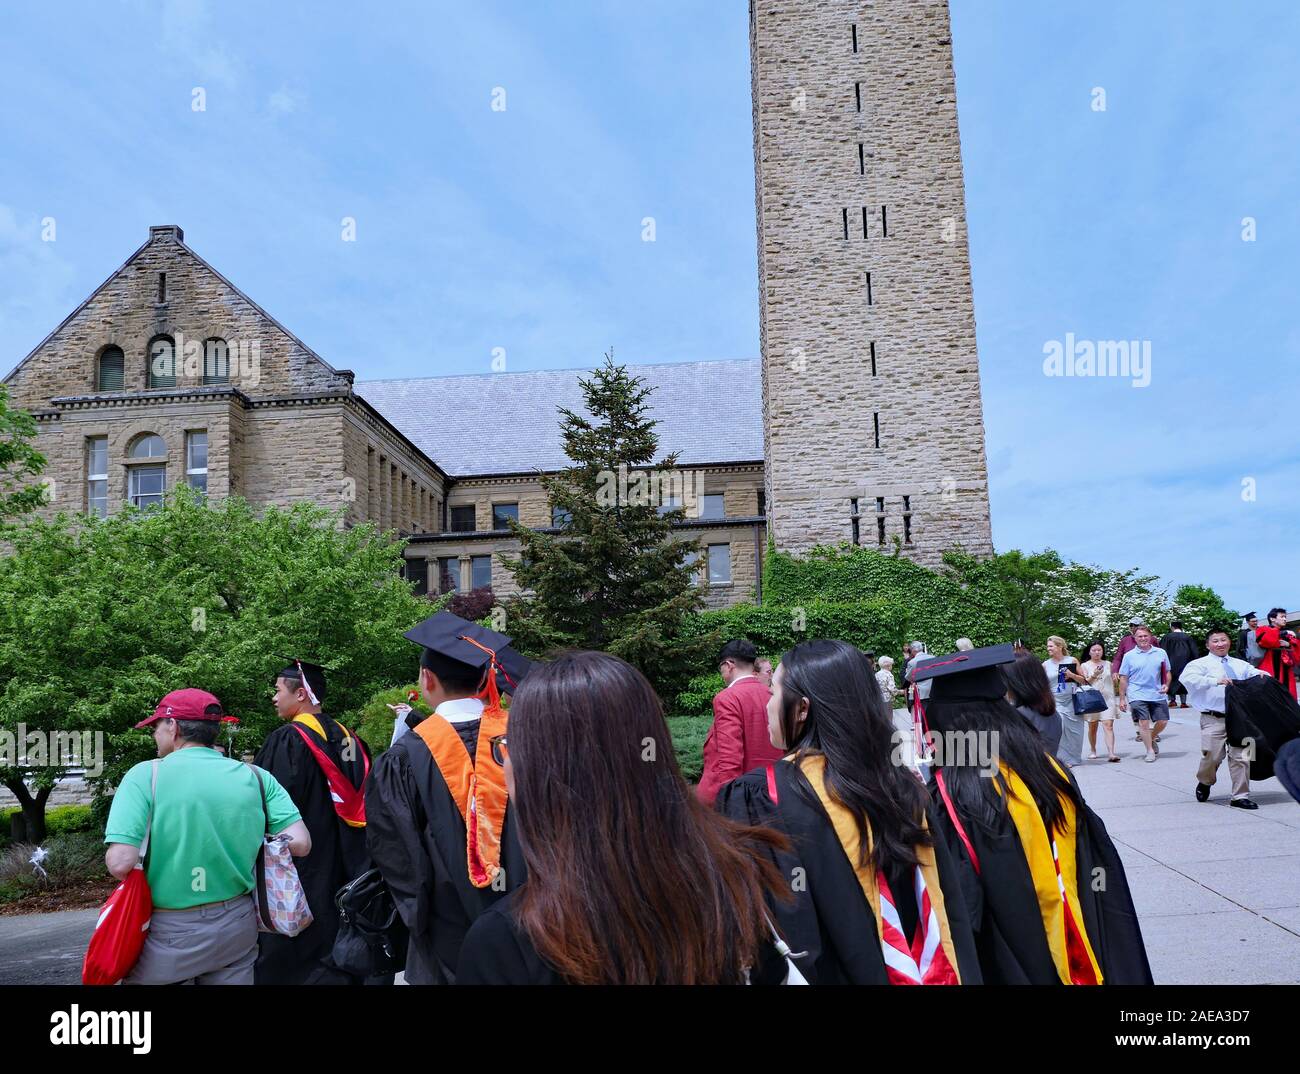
<point x="1150" y="758"/>
<point x="1092" y="756"/>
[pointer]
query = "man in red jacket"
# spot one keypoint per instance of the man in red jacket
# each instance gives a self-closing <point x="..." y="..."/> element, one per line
<point x="1281" y="652"/>
<point x="738" y="741"/>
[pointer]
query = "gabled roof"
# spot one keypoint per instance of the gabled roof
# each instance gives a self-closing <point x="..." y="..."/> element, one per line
<point x="174" y="234"/>
<point x="506" y="423"/>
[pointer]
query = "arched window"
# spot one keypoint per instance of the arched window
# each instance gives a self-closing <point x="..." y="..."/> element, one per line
<point x="216" y="361"/>
<point x="149" y="446"/>
<point x="147" y="484"/>
<point x="110" y="376"/>
<point x="162" y="362"/>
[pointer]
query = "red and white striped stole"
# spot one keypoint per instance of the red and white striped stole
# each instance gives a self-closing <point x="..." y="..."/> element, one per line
<point x="924" y="960"/>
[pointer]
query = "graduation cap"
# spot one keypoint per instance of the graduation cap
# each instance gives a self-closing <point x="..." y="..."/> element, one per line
<point x="312" y="677"/>
<point x="972" y="675"/>
<point x="473" y="646"/>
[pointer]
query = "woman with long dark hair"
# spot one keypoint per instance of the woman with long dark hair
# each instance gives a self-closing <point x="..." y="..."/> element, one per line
<point x="1047" y="889"/>
<point x="876" y="897"/>
<point x="1031" y="694"/>
<point x="631" y="880"/>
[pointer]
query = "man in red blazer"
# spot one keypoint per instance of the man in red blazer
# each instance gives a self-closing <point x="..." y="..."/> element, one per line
<point x="738" y="741"/>
<point x="1281" y="652"/>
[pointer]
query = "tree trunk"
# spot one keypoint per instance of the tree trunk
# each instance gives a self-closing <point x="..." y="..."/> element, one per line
<point x="33" y="808"/>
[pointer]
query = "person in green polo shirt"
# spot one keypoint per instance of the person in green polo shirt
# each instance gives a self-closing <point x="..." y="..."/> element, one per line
<point x="207" y="826"/>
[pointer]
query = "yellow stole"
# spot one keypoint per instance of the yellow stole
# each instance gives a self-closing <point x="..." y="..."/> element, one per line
<point x="1038" y="853"/>
<point x="813" y="767"/>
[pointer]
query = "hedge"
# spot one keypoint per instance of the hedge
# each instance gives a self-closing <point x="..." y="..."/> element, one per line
<point x="909" y="601"/>
<point x="374" y="720"/>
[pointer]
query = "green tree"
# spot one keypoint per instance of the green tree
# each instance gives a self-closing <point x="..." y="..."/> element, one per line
<point x="20" y="462"/>
<point x="615" y="577"/>
<point x="1199" y="608"/>
<point x="1032" y="592"/>
<point x="101" y="618"/>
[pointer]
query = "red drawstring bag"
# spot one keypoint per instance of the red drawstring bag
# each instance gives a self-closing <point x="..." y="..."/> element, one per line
<point x="119" y="934"/>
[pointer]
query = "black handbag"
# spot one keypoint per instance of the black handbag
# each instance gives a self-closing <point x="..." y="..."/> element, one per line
<point x="1088" y="700"/>
<point x="372" y="938"/>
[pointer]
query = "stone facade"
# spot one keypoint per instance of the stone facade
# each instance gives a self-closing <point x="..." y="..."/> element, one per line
<point x="870" y="373"/>
<point x="281" y="425"/>
<point x="435" y="557"/>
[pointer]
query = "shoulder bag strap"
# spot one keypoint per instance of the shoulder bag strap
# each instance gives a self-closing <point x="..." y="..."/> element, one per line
<point x="259" y="867"/>
<point x="148" y="824"/>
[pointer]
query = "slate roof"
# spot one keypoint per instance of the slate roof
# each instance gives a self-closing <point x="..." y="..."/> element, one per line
<point x="504" y="423"/>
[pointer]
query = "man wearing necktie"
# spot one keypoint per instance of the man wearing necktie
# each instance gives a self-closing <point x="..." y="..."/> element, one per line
<point x="1208" y="679"/>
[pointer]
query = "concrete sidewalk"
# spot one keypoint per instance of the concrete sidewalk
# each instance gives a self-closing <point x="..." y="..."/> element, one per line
<point x="1217" y="889"/>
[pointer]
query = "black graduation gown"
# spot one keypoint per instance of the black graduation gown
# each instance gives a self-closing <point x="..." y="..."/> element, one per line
<point x="498" y="952"/>
<point x="830" y="918"/>
<point x="1261" y="712"/>
<point x="1182" y="649"/>
<point x="416" y="837"/>
<point x="1008" y="924"/>
<point x="338" y="854"/>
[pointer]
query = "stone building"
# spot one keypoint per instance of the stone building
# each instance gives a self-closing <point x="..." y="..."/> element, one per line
<point x="168" y="374"/>
<point x="861" y="422"/>
<point x="872" y="419"/>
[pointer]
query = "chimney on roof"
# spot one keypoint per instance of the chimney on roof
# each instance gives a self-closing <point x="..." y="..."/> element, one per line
<point x="166" y="231"/>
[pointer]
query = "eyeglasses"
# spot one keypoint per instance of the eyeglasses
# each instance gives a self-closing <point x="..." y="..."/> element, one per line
<point x="500" y="749"/>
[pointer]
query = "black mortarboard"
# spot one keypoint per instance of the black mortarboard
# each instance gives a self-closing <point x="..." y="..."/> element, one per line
<point x="966" y="676"/>
<point x="312" y="677"/>
<point x="468" y="643"/>
<point x="1250" y="615"/>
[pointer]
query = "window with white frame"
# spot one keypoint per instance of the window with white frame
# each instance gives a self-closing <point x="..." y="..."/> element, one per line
<point x="148" y="484"/>
<point x="97" y="476"/>
<point x="196" y="460"/>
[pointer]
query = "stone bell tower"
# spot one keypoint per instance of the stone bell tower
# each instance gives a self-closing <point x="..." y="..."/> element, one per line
<point x="872" y="422"/>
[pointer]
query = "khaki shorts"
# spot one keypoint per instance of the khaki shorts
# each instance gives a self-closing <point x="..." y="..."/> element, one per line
<point x="1100" y="717"/>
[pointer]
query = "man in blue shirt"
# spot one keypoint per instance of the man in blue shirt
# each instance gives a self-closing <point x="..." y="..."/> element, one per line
<point x="1144" y="678"/>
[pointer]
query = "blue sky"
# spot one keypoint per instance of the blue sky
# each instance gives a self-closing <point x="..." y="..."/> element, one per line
<point x="521" y="229"/>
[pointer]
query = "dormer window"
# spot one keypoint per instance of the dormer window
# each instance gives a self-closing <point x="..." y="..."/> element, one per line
<point x="110" y="374"/>
<point x="162" y="363"/>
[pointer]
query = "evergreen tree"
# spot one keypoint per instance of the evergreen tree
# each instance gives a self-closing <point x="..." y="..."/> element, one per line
<point x="613" y="575"/>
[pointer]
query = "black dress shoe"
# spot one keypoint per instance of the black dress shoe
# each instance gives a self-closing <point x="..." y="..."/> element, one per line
<point x="1202" y="792"/>
<point x="1243" y="803"/>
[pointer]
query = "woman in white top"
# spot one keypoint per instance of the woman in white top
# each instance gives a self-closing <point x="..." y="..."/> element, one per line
<point x="888" y="687"/>
<point x="1064" y="678"/>
<point x="1096" y="670"/>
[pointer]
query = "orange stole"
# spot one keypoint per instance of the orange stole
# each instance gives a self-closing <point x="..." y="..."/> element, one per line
<point x="478" y="787"/>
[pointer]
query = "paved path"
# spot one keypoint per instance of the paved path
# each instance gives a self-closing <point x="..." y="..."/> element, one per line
<point x="44" y="948"/>
<point x="1217" y="889"/>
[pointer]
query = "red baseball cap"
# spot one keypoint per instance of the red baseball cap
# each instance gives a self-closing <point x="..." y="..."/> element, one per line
<point x="189" y="705"/>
